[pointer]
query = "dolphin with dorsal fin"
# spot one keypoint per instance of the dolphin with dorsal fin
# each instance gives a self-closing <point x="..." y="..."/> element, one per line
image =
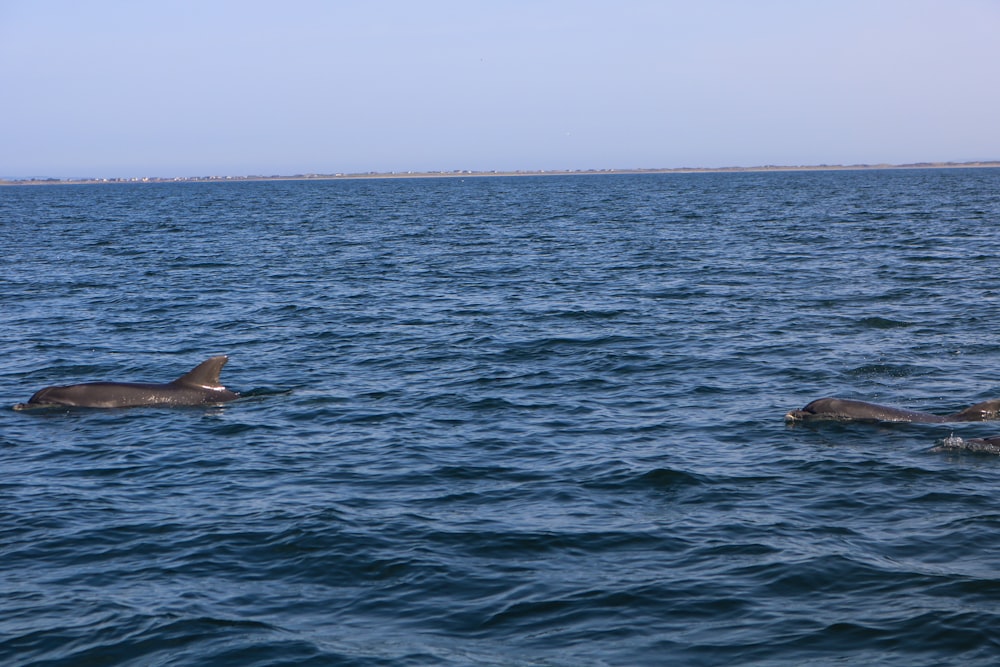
<point x="845" y="409"/>
<point x="199" y="386"/>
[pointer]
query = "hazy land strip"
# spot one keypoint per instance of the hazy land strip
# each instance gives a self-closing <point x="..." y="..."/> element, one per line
<point x="461" y="173"/>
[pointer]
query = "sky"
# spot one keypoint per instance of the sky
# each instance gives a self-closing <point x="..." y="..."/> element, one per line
<point x="118" y="88"/>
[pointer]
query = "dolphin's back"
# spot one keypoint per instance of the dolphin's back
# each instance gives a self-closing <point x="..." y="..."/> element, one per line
<point x="848" y="409"/>
<point x="199" y="386"/>
<point x="980" y="412"/>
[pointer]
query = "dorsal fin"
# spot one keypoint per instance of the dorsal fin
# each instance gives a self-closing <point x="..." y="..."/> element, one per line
<point x="205" y="374"/>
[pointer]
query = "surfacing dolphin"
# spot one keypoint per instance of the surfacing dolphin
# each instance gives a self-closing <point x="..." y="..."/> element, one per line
<point x="199" y="386"/>
<point x="976" y="445"/>
<point x="845" y="409"/>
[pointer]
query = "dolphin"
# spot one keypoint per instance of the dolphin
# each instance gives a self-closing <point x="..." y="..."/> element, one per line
<point x="844" y="409"/>
<point x="989" y="445"/>
<point x="199" y="386"/>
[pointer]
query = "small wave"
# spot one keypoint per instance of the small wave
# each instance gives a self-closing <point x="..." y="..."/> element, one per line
<point x="590" y="314"/>
<point x="667" y="478"/>
<point x="883" y="323"/>
<point x="886" y="370"/>
<point x="147" y="638"/>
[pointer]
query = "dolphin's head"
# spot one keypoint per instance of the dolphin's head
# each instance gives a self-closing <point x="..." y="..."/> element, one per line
<point x="830" y="408"/>
<point x="810" y="411"/>
<point x="49" y="397"/>
<point x="798" y="415"/>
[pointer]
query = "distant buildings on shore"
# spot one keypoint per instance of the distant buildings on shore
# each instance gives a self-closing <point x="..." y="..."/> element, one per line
<point x="464" y="173"/>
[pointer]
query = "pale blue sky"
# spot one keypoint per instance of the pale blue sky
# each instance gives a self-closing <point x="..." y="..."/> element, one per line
<point x="125" y="88"/>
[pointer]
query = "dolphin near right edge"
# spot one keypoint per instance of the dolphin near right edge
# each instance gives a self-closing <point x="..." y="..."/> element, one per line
<point x="953" y="443"/>
<point x="845" y="409"/>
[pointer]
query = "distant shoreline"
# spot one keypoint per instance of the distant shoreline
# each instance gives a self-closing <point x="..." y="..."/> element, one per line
<point x="460" y="173"/>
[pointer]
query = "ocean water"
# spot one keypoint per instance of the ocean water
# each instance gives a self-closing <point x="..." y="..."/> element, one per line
<point x="503" y="421"/>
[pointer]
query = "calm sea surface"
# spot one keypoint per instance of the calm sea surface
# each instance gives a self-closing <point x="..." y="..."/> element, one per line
<point x="503" y="421"/>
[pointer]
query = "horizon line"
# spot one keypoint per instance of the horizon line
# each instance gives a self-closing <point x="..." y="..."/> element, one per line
<point x="486" y="173"/>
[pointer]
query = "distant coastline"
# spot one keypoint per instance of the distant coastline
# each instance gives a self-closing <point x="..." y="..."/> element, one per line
<point x="461" y="173"/>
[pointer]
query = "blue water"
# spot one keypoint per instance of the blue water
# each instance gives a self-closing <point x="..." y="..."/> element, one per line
<point x="503" y="421"/>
